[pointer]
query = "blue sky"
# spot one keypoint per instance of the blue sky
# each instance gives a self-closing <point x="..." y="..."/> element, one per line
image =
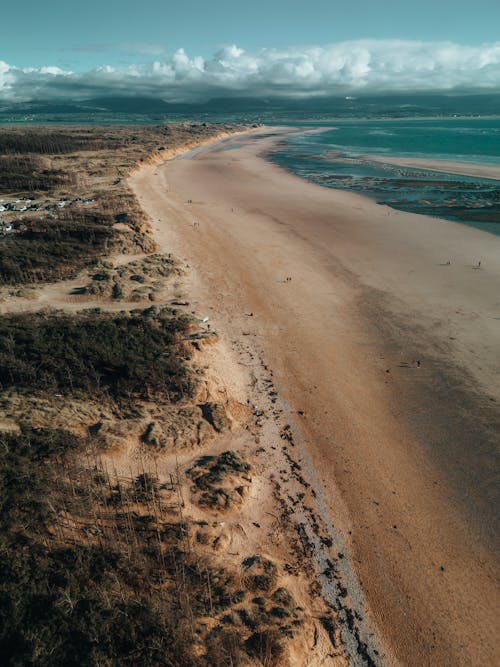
<point x="79" y="35"/>
<point x="181" y="49"/>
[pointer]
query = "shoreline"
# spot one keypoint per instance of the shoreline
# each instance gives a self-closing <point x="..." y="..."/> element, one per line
<point x="360" y="302"/>
<point x="485" y="220"/>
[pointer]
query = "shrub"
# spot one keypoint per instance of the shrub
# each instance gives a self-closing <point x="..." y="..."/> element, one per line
<point x="28" y="174"/>
<point x="117" y="355"/>
<point x="72" y="604"/>
<point x="54" y="142"/>
<point x="267" y="647"/>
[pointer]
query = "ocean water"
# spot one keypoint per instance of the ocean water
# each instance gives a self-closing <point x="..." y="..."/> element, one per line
<point x="340" y="157"/>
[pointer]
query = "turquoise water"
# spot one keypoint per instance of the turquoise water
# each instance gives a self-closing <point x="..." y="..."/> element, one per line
<point x="340" y="158"/>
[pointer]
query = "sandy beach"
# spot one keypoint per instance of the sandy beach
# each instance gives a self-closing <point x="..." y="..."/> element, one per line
<point x="382" y="332"/>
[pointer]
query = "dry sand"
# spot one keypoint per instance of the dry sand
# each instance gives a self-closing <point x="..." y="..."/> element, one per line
<point x="402" y="456"/>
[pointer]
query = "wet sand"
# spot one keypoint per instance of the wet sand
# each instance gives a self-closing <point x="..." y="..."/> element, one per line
<point x="389" y="358"/>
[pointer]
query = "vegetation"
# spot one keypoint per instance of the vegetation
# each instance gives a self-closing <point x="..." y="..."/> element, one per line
<point x="45" y="141"/>
<point x="133" y="281"/>
<point x="93" y="573"/>
<point x="120" y="355"/>
<point x="53" y="249"/>
<point x="64" y="141"/>
<point x="56" y="247"/>
<point x="71" y="604"/>
<point x="260" y="574"/>
<point x="27" y="173"/>
<point x="222" y="481"/>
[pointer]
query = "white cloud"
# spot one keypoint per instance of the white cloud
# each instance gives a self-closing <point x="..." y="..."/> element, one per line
<point x="363" y="66"/>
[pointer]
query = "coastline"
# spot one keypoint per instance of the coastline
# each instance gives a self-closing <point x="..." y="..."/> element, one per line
<point x="351" y="272"/>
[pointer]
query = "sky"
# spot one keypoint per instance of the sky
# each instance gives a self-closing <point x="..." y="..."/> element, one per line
<point x="189" y="49"/>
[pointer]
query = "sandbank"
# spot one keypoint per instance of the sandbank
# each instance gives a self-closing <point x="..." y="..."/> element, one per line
<point x="449" y="167"/>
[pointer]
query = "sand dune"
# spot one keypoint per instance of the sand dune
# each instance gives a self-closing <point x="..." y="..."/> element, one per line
<point x="388" y="358"/>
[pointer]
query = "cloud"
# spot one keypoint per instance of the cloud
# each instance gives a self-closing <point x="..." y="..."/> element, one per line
<point x="356" y="67"/>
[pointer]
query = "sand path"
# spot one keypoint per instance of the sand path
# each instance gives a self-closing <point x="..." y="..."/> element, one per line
<point x="402" y="456"/>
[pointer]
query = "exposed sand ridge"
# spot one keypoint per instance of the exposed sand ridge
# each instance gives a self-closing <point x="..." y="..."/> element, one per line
<point x="446" y="166"/>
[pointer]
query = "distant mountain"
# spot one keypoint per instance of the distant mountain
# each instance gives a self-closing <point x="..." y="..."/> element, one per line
<point x="402" y="105"/>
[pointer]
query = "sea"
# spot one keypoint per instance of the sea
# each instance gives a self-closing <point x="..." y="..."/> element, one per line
<point x="340" y="155"/>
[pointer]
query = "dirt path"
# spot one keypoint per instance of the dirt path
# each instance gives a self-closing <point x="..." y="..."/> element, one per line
<point x="386" y="365"/>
